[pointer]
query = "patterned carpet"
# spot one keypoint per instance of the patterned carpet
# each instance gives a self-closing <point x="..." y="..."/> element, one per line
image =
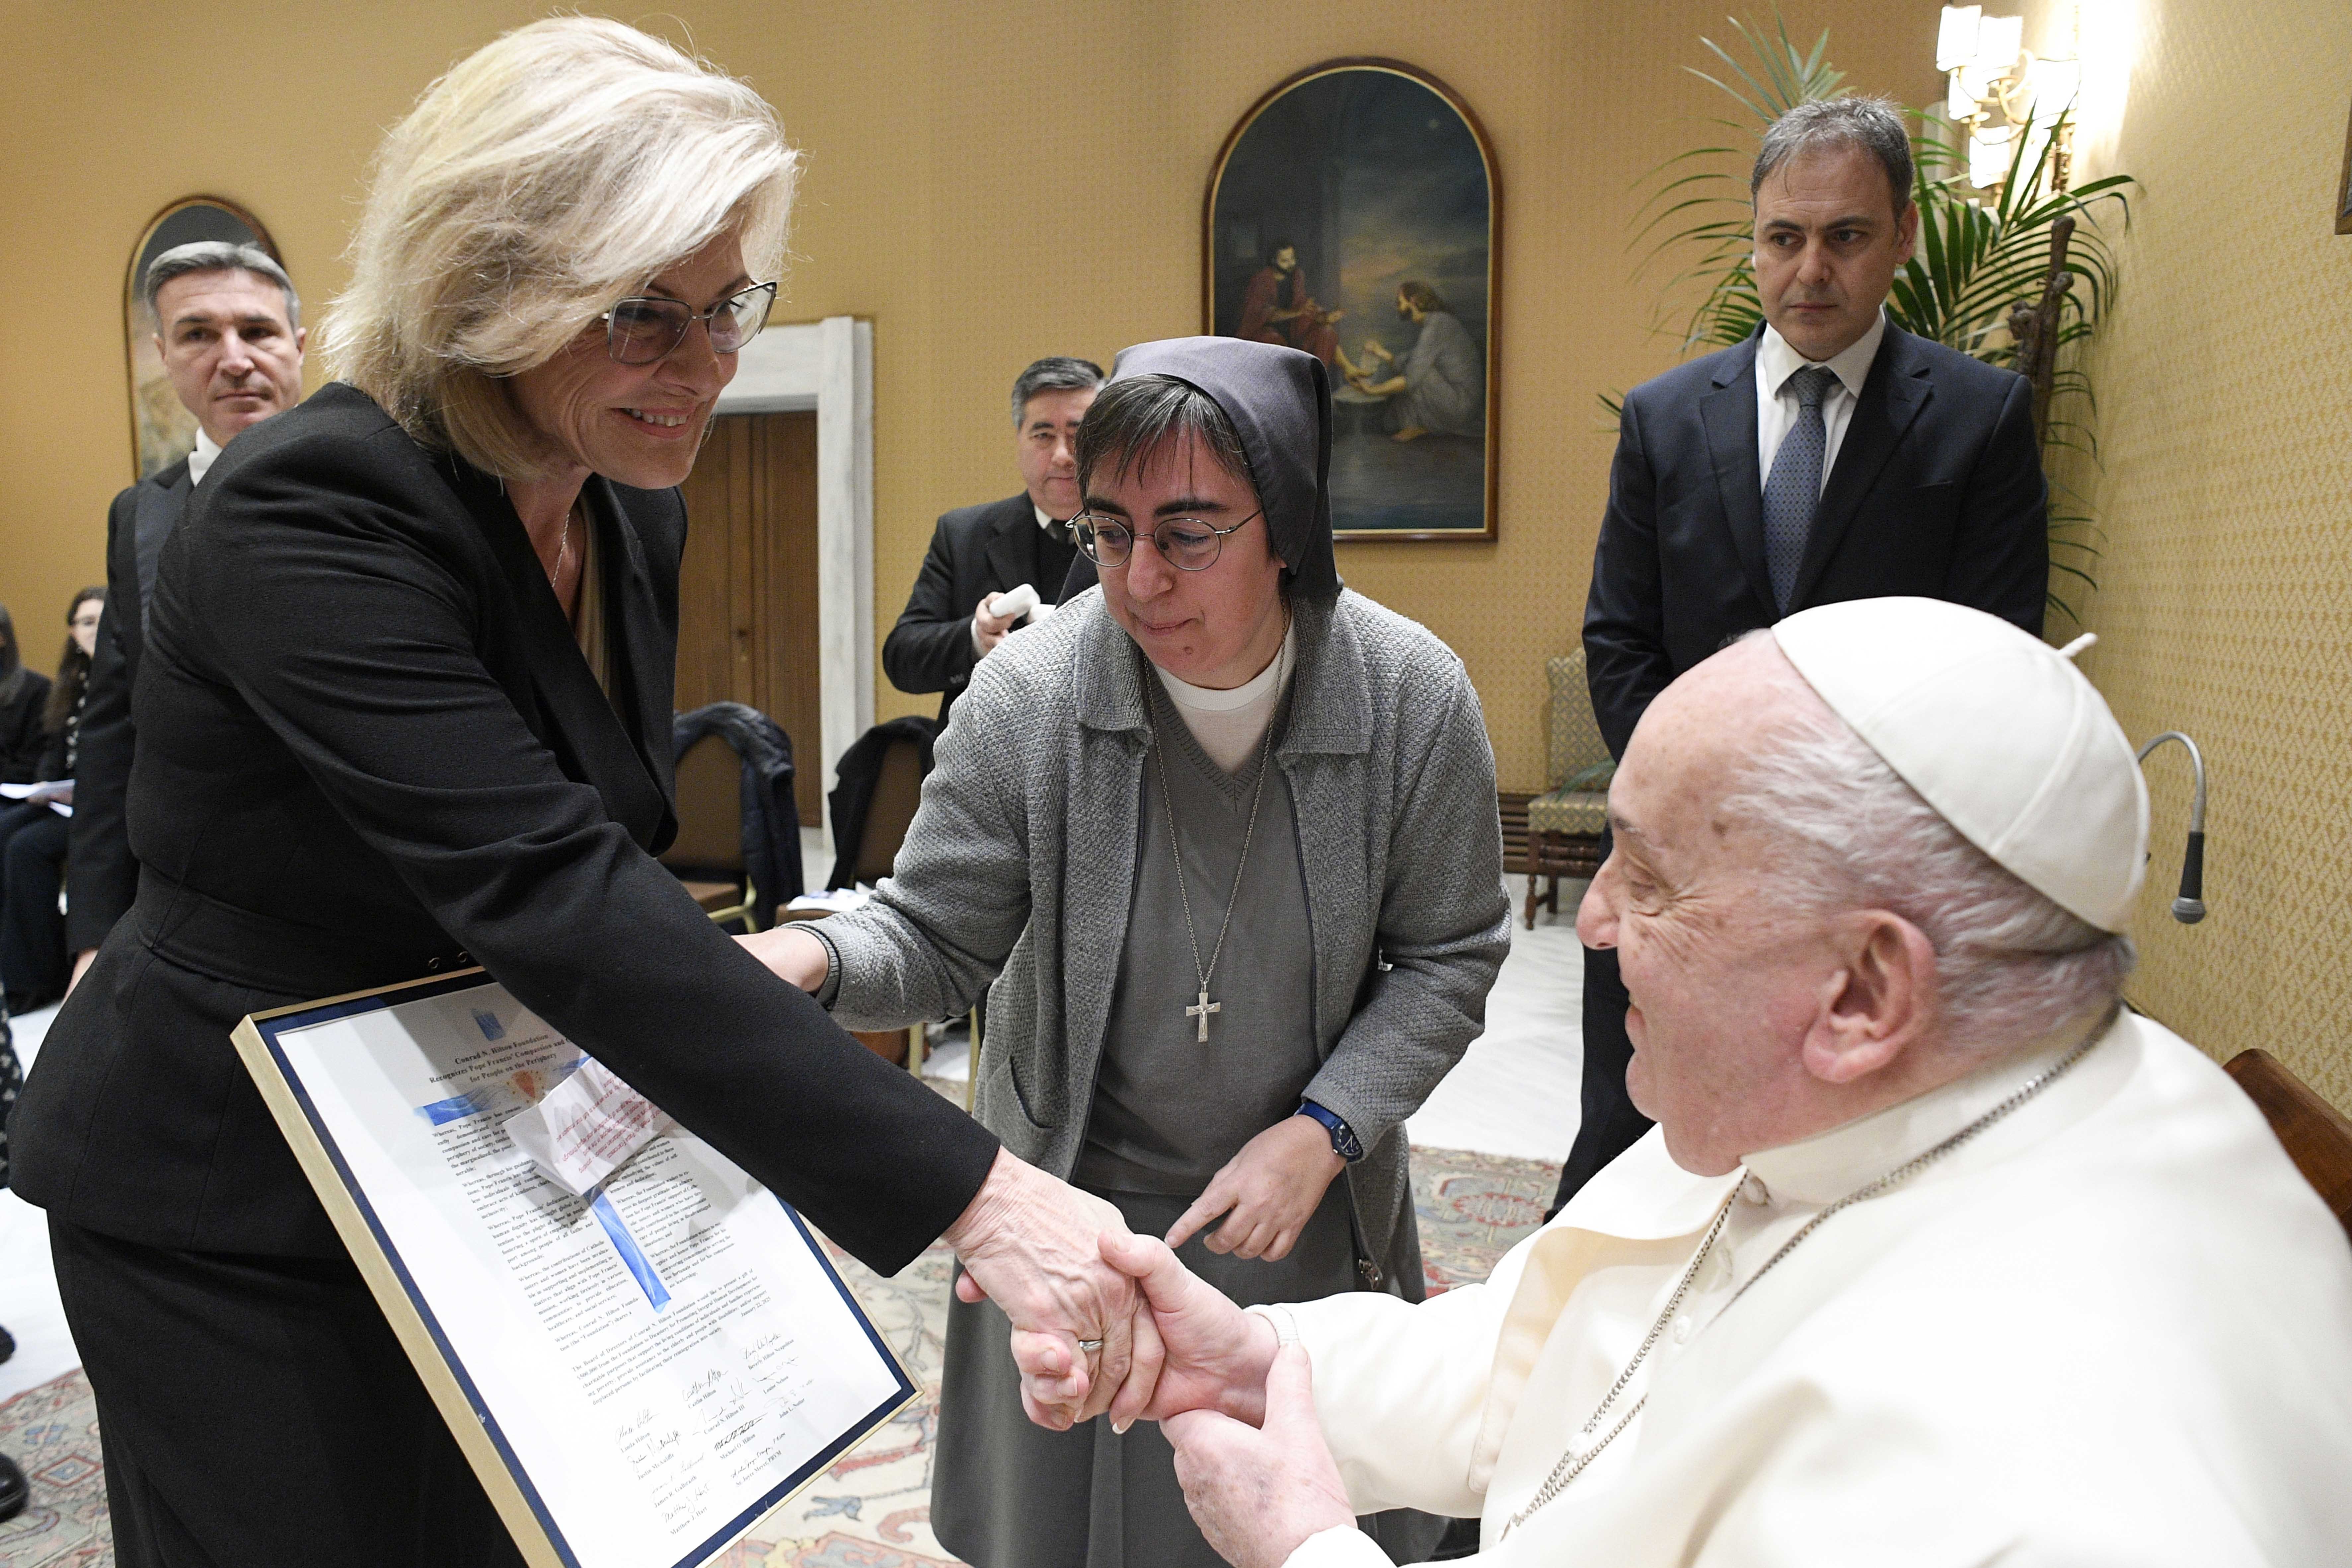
<point x="870" y="1510"/>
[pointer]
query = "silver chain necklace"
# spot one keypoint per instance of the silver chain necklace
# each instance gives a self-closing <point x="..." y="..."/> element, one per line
<point x="1577" y="1455"/>
<point x="1202" y="1009"/>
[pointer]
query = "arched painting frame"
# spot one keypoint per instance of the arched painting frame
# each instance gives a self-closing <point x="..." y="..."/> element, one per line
<point x="161" y="431"/>
<point x="1380" y="177"/>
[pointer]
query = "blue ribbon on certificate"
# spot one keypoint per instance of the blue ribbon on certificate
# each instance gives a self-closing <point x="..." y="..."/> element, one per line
<point x="631" y="1253"/>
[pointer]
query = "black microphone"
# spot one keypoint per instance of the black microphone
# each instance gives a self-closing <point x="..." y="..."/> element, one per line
<point x="2189" y="907"/>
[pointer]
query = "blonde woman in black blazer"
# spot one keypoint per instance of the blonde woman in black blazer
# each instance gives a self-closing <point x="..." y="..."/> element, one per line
<point x="405" y="703"/>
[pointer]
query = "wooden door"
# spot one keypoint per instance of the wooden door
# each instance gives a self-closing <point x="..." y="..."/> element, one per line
<point x="747" y="590"/>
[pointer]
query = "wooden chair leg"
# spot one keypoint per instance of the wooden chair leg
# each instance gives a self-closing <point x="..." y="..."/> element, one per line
<point x="971" y="1065"/>
<point x="918" y="1048"/>
<point x="1532" y="895"/>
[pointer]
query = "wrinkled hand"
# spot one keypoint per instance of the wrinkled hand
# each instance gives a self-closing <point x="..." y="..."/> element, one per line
<point x="1259" y="1493"/>
<point x="1272" y="1187"/>
<point x="1035" y="1246"/>
<point x="987" y="629"/>
<point x="1209" y="1354"/>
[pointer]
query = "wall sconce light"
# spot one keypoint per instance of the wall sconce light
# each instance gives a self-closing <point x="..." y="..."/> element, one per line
<point x="1999" y="90"/>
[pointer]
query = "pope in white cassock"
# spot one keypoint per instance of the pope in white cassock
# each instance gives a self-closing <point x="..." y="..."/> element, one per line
<point x="1936" y="1255"/>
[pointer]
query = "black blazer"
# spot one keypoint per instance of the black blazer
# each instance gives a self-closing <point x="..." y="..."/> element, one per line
<point x="23" y="743"/>
<point x="1937" y="492"/>
<point x="367" y="741"/>
<point x="102" y="877"/>
<point x="975" y="550"/>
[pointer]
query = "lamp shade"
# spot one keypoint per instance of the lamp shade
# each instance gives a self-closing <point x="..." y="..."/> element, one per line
<point x="1955" y="37"/>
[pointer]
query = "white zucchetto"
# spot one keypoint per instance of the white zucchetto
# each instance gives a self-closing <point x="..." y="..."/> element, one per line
<point x="1997" y="730"/>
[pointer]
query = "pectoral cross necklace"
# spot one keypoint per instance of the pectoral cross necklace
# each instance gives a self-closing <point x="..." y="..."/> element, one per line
<point x="1202" y="1009"/>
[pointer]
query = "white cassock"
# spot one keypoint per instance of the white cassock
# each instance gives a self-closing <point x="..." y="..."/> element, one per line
<point x="2116" y="1328"/>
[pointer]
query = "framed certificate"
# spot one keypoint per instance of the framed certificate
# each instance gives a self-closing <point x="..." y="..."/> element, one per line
<point x="638" y="1377"/>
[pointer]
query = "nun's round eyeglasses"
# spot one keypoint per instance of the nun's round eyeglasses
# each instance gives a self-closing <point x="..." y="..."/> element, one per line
<point x="643" y="329"/>
<point x="1187" y="544"/>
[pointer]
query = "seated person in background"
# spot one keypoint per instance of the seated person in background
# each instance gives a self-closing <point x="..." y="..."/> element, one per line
<point x="1441" y="385"/>
<point x="979" y="551"/>
<point x="1227" y="833"/>
<point x="32" y="836"/>
<point x="23" y="693"/>
<point x="1938" y="1254"/>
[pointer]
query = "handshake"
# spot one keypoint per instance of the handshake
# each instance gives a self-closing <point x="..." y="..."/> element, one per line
<point x="1108" y="1323"/>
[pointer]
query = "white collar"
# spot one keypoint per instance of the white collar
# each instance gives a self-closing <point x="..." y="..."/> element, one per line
<point x="199" y="461"/>
<point x="1257" y="688"/>
<point x="1046" y="521"/>
<point x="1777" y="362"/>
<point x="1827" y="1166"/>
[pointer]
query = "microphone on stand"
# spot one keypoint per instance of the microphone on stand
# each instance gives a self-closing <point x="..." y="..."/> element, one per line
<point x="2189" y="907"/>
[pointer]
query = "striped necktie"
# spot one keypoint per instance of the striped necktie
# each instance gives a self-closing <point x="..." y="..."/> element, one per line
<point x="1793" y="494"/>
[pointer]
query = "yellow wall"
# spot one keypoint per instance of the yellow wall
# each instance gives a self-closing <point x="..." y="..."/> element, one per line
<point x="2225" y="597"/>
<point x="986" y="183"/>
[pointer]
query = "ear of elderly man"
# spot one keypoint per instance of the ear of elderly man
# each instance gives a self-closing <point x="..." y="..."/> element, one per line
<point x="1938" y="1252"/>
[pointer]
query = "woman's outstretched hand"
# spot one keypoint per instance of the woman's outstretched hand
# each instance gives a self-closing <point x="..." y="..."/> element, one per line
<point x="791" y="952"/>
<point x="1205" y="1354"/>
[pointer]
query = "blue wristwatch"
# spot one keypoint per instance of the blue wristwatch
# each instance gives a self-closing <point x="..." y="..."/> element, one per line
<point x="1344" y="1141"/>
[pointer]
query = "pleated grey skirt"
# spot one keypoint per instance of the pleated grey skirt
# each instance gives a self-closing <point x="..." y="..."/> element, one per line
<point x="1006" y="1493"/>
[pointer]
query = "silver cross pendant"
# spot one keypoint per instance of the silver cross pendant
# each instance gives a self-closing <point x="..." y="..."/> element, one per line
<point x="1203" y="1012"/>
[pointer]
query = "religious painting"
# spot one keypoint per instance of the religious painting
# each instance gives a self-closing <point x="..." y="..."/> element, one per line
<point x="1356" y="212"/>
<point x="163" y="431"/>
<point x="2344" y="187"/>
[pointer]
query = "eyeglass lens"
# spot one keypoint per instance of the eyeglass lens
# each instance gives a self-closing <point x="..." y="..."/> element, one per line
<point x="1188" y="544"/>
<point x="644" y="330"/>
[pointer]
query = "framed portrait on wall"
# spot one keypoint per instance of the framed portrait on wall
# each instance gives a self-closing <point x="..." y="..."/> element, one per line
<point x="161" y="430"/>
<point x="1355" y="212"/>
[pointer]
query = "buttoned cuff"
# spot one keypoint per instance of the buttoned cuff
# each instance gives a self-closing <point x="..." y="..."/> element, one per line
<point x="827" y="992"/>
<point x="1286" y="1326"/>
<point x="1342" y="1547"/>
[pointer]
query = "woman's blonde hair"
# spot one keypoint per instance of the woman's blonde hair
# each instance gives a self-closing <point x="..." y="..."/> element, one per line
<point x="549" y="173"/>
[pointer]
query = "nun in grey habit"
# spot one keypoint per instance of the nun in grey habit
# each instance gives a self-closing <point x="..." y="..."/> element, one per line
<point x="1221" y="927"/>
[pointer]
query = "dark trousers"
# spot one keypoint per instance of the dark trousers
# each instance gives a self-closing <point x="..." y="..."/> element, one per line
<point x="32" y="932"/>
<point x="257" y="1413"/>
<point x="1609" y="1125"/>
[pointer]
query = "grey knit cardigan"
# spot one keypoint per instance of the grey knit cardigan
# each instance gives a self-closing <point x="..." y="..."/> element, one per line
<point x="1020" y="869"/>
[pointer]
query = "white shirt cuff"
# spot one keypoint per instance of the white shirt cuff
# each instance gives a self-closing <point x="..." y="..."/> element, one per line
<point x="1345" y="1547"/>
<point x="973" y="626"/>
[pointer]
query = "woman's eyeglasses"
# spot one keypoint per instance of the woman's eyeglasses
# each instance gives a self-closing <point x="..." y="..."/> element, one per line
<point x="642" y="329"/>
<point x="1187" y="544"/>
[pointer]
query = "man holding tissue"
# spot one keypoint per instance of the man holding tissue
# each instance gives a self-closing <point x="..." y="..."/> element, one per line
<point x="951" y="620"/>
<point x="1938" y="1254"/>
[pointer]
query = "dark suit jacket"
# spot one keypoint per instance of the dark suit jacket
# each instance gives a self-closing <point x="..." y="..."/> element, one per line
<point x="366" y="741"/>
<point x="102" y="877"/>
<point x="1936" y="492"/>
<point x="975" y="550"/>
<point x="23" y="743"/>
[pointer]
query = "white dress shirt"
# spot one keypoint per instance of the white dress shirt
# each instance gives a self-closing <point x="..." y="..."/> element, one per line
<point x="199" y="461"/>
<point x="1776" y="401"/>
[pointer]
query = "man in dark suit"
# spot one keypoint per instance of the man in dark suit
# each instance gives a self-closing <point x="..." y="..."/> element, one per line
<point x="1832" y="456"/>
<point x="979" y="551"/>
<point x="228" y="326"/>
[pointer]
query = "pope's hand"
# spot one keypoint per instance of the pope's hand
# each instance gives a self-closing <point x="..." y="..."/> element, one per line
<point x="1272" y="1188"/>
<point x="1207" y="1353"/>
<point x="1258" y="1493"/>
<point x="1035" y="1246"/>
